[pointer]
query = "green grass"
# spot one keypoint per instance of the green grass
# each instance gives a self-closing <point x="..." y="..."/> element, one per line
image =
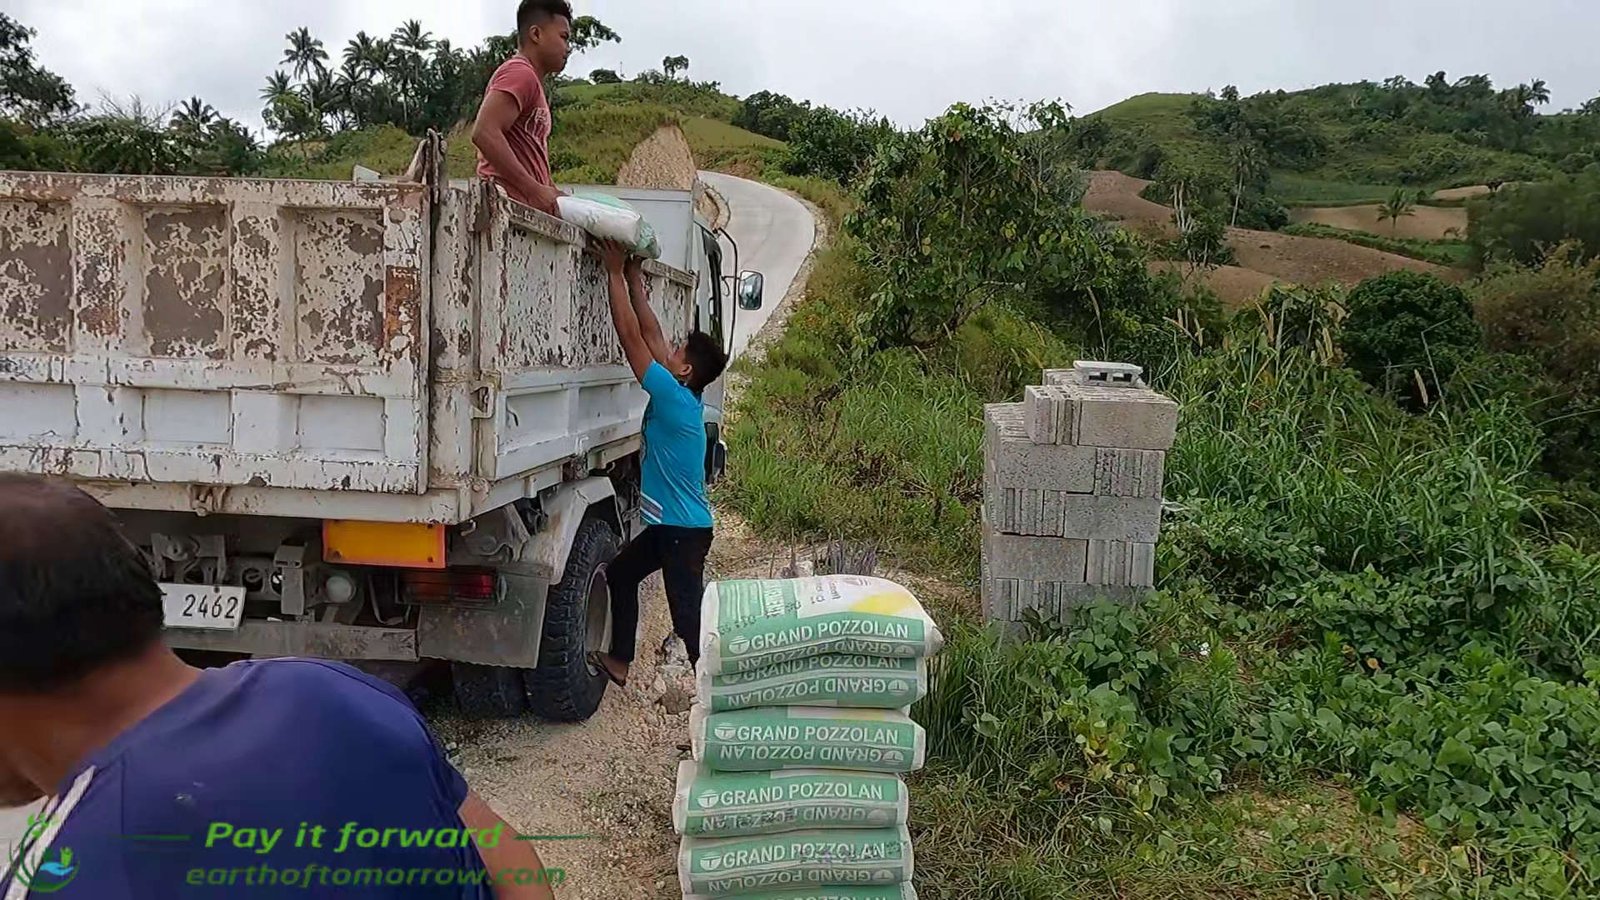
<point x="721" y="147"/>
<point x="1392" y="699"/>
<point x="688" y="100"/>
<point x="888" y="453"/>
<point x="1444" y="253"/>
<point x="1294" y="189"/>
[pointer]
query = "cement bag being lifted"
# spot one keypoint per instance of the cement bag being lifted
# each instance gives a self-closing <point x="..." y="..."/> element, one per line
<point x="736" y="804"/>
<point x="748" y="625"/>
<point x="807" y="737"/>
<point x="609" y="218"/>
<point x="860" y="682"/>
<point x="796" y="859"/>
<point x="829" y="892"/>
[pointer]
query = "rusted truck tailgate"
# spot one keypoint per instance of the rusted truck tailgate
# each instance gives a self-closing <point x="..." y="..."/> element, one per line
<point x="226" y="332"/>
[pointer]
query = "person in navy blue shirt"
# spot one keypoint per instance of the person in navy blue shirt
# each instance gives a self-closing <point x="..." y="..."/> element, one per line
<point x="274" y="778"/>
<point x="676" y="510"/>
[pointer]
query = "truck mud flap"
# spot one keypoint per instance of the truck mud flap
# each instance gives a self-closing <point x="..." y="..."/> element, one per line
<point x="506" y="635"/>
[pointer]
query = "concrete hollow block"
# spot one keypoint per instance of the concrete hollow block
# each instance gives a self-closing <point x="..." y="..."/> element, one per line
<point x="1032" y="558"/>
<point x="1044" y="513"/>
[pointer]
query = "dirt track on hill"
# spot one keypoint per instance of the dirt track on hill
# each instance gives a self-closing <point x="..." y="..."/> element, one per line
<point x="1264" y="256"/>
<point x="1426" y="223"/>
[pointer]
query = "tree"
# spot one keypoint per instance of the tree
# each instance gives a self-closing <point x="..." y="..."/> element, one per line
<point x="978" y="206"/>
<point x="1408" y="333"/>
<point x="29" y="94"/>
<point x="672" y="65"/>
<point x="831" y="144"/>
<point x="193" y="120"/>
<point x="305" y="53"/>
<point x="589" y="33"/>
<point x="770" y="114"/>
<point x="1399" y="205"/>
<point x="1196" y="197"/>
<point x="605" y="76"/>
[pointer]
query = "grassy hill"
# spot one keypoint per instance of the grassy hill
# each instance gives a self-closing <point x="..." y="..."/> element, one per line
<point x="597" y="127"/>
<point x="1355" y="143"/>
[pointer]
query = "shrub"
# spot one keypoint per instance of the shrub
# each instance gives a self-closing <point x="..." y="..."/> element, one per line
<point x="1550" y="315"/>
<point x="1525" y="222"/>
<point x="1406" y="326"/>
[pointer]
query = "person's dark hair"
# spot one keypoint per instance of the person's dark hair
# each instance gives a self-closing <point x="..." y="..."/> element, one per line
<point x="75" y="594"/>
<point x="534" y="12"/>
<point x="707" y="359"/>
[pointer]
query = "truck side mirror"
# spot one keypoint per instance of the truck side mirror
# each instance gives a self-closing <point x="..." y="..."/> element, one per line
<point x="751" y="286"/>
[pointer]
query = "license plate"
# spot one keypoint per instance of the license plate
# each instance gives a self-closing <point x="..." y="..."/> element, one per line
<point x="208" y="606"/>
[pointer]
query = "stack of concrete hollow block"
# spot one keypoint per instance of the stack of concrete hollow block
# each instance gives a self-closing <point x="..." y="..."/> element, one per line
<point x="1072" y="492"/>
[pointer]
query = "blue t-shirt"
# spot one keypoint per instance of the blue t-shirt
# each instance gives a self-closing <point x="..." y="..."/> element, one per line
<point x="281" y="747"/>
<point x="674" y="469"/>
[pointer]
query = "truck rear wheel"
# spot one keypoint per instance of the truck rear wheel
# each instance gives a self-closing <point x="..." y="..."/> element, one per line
<point x="565" y="688"/>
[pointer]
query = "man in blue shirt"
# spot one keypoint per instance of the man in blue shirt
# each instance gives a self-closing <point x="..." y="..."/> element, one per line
<point x="676" y="509"/>
<point x="274" y="778"/>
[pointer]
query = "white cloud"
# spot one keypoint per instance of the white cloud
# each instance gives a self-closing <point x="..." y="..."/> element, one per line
<point x="908" y="59"/>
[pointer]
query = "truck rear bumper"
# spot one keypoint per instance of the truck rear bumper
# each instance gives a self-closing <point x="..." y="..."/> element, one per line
<point x="302" y="639"/>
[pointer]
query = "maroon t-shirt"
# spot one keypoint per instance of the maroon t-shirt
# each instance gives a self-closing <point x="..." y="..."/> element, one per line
<point x="529" y="135"/>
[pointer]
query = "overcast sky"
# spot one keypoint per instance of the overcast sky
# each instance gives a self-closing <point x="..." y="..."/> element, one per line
<point x="908" y="59"/>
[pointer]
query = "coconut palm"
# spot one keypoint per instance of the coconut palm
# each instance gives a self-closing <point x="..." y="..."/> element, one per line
<point x="1399" y="205"/>
<point x="194" y="118"/>
<point x="305" y="53"/>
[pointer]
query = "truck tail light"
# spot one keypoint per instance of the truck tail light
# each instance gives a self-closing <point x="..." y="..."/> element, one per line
<point x="463" y="584"/>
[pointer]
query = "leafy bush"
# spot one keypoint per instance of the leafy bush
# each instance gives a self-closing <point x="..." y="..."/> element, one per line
<point x="1551" y="316"/>
<point x="1406" y="326"/>
<point x="1524" y="222"/>
<point x="831" y="144"/>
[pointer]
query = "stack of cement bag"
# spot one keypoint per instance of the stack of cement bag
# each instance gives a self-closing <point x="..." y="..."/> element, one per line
<point x="802" y="735"/>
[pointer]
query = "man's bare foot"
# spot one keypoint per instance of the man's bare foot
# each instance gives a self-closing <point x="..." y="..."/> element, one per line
<point x="615" y="670"/>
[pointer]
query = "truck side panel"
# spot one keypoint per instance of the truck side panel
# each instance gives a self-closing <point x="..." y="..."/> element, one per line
<point x="214" y="332"/>
<point x="561" y="383"/>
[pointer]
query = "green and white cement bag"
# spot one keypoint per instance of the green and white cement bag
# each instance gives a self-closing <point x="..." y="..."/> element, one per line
<point x="830" y="892"/>
<point x="608" y="218"/>
<point x="807" y="737"/>
<point x="833" y="679"/>
<point x="858" y="857"/>
<point x="735" y="804"/>
<point x="749" y="625"/>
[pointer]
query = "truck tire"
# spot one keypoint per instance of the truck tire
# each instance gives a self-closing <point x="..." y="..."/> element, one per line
<point x="565" y="688"/>
<point x="488" y="692"/>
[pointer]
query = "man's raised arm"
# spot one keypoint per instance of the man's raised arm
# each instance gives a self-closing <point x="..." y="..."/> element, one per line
<point x="649" y="326"/>
<point x="622" y="315"/>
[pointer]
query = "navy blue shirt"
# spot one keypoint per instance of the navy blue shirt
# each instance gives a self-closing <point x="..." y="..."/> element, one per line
<point x="184" y="804"/>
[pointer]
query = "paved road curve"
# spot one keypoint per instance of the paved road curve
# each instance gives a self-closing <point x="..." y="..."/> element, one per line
<point x="774" y="232"/>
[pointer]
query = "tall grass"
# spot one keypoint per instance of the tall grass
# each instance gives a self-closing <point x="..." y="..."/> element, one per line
<point x="1345" y="589"/>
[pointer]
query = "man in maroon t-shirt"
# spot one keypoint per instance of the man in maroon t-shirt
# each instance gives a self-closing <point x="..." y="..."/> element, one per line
<point x="512" y="133"/>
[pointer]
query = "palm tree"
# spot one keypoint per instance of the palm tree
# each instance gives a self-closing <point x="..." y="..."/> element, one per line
<point x="1539" y="92"/>
<point x="410" y="36"/>
<point x="193" y="118"/>
<point x="1398" y="206"/>
<point x="305" y="52"/>
<point x="278" y="87"/>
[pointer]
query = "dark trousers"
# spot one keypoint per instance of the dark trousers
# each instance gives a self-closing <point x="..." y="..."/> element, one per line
<point x="679" y="554"/>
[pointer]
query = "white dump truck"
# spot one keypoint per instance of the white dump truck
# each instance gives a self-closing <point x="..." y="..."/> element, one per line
<point x="383" y="421"/>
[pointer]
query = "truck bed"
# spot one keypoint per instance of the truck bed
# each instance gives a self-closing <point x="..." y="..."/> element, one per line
<point x="381" y="351"/>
